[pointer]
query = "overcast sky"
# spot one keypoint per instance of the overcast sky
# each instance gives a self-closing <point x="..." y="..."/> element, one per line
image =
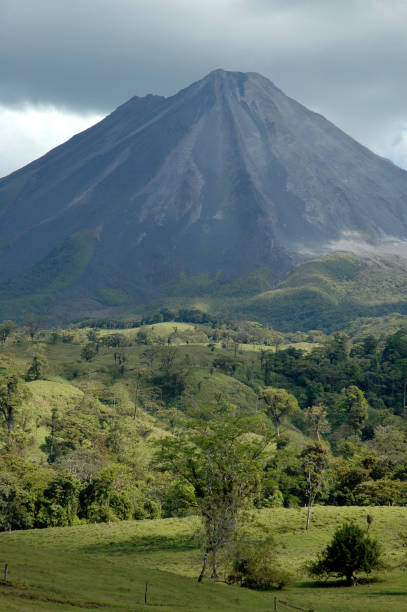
<point x="65" y="64"/>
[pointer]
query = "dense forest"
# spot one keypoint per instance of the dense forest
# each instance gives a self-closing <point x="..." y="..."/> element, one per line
<point x="90" y="415"/>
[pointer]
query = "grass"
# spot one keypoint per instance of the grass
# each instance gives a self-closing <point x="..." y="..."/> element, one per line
<point x="160" y="330"/>
<point x="205" y="387"/>
<point x="106" y="567"/>
<point x="47" y="394"/>
<point x="303" y="346"/>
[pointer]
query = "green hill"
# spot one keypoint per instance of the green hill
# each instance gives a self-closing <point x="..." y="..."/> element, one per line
<point x="327" y="293"/>
<point x="106" y="567"/>
<point x="331" y="292"/>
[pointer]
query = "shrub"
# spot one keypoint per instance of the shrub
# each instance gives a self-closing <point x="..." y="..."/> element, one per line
<point x="179" y="500"/>
<point x="351" y="550"/>
<point x="254" y="566"/>
<point x="88" y="352"/>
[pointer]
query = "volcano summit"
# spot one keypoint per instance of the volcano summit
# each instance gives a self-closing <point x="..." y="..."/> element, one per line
<point x="228" y="176"/>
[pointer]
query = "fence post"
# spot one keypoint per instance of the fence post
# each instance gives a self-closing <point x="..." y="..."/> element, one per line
<point x="5" y="572"/>
<point x="145" y="593"/>
<point x="275" y="604"/>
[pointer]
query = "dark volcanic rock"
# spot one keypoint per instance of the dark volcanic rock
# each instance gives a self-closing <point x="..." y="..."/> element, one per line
<point x="228" y="175"/>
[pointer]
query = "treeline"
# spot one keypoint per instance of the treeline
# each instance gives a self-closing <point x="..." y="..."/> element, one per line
<point x="184" y="315"/>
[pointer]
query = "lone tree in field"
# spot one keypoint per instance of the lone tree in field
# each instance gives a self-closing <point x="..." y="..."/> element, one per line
<point x="350" y="552"/>
<point x="279" y="404"/>
<point x="222" y="463"/>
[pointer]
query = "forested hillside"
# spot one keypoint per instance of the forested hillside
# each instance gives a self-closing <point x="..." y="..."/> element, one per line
<point x="85" y="410"/>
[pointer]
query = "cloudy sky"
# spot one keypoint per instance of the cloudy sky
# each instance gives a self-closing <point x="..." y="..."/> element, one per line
<point x="64" y="65"/>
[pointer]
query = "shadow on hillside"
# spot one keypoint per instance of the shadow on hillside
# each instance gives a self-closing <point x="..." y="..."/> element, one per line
<point x="388" y="593"/>
<point x="144" y="543"/>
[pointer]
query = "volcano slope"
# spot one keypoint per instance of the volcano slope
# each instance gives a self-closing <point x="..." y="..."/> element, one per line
<point x="226" y="177"/>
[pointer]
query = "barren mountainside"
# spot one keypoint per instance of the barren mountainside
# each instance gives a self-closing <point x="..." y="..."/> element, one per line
<point x="228" y="176"/>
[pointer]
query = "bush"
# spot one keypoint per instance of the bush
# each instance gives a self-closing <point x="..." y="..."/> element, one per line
<point x="100" y="513"/>
<point x="380" y="492"/>
<point x="179" y="500"/>
<point x="88" y="352"/>
<point x="351" y="550"/>
<point x="254" y="566"/>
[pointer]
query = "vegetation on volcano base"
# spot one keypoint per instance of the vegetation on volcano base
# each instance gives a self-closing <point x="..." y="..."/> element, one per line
<point x="338" y="291"/>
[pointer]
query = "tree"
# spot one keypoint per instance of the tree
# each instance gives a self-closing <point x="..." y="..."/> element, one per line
<point x="316" y="417"/>
<point x="93" y="335"/>
<point x="69" y="431"/>
<point x="222" y="465"/>
<point x="228" y="364"/>
<point x="314" y="461"/>
<point x="14" y="504"/>
<point x="13" y="393"/>
<point x="355" y="407"/>
<point x="136" y="388"/>
<point x="89" y="351"/>
<point x="33" y="325"/>
<point x="83" y="463"/>
<point x="279" y="403"/>
<point x="337" y="349"/>
<point x="35" y="371"/>
<point x="351" y="551"/>
<point x="145" y="336"/>
<point x="400" y="368"/>
<point x="60" y="502"/>
<point x="6" y="328"/>
<point x="114" y="340"/>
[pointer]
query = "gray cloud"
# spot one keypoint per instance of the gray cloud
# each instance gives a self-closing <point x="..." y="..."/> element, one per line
<point x="343" y="58"/>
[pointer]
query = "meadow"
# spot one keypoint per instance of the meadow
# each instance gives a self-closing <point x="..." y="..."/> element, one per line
<point x="106" y="566"/>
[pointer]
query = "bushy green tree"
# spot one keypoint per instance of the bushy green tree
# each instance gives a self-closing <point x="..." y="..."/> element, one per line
<point x="37" y="367"/>
<point x="13" y="393"/>
<point x="354" y="406"/>
<point x="89" y="352"/>
<point x="337" y="349"/>
<point x="105" y="499"/>
<point x="69" y="431"/>
<point x="14" y="504"/>
<point x="222" y="464"/>
<point x="278" y="405"/>
<point x="350" y="552"/>
<point x="6" y="328"/>
<point x="60" y="502"/>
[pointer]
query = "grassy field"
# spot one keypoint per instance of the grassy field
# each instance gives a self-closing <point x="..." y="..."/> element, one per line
<point x="106" y="567"/>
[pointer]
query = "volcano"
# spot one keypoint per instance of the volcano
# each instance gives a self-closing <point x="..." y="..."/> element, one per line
<point x="228" y="176"/>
